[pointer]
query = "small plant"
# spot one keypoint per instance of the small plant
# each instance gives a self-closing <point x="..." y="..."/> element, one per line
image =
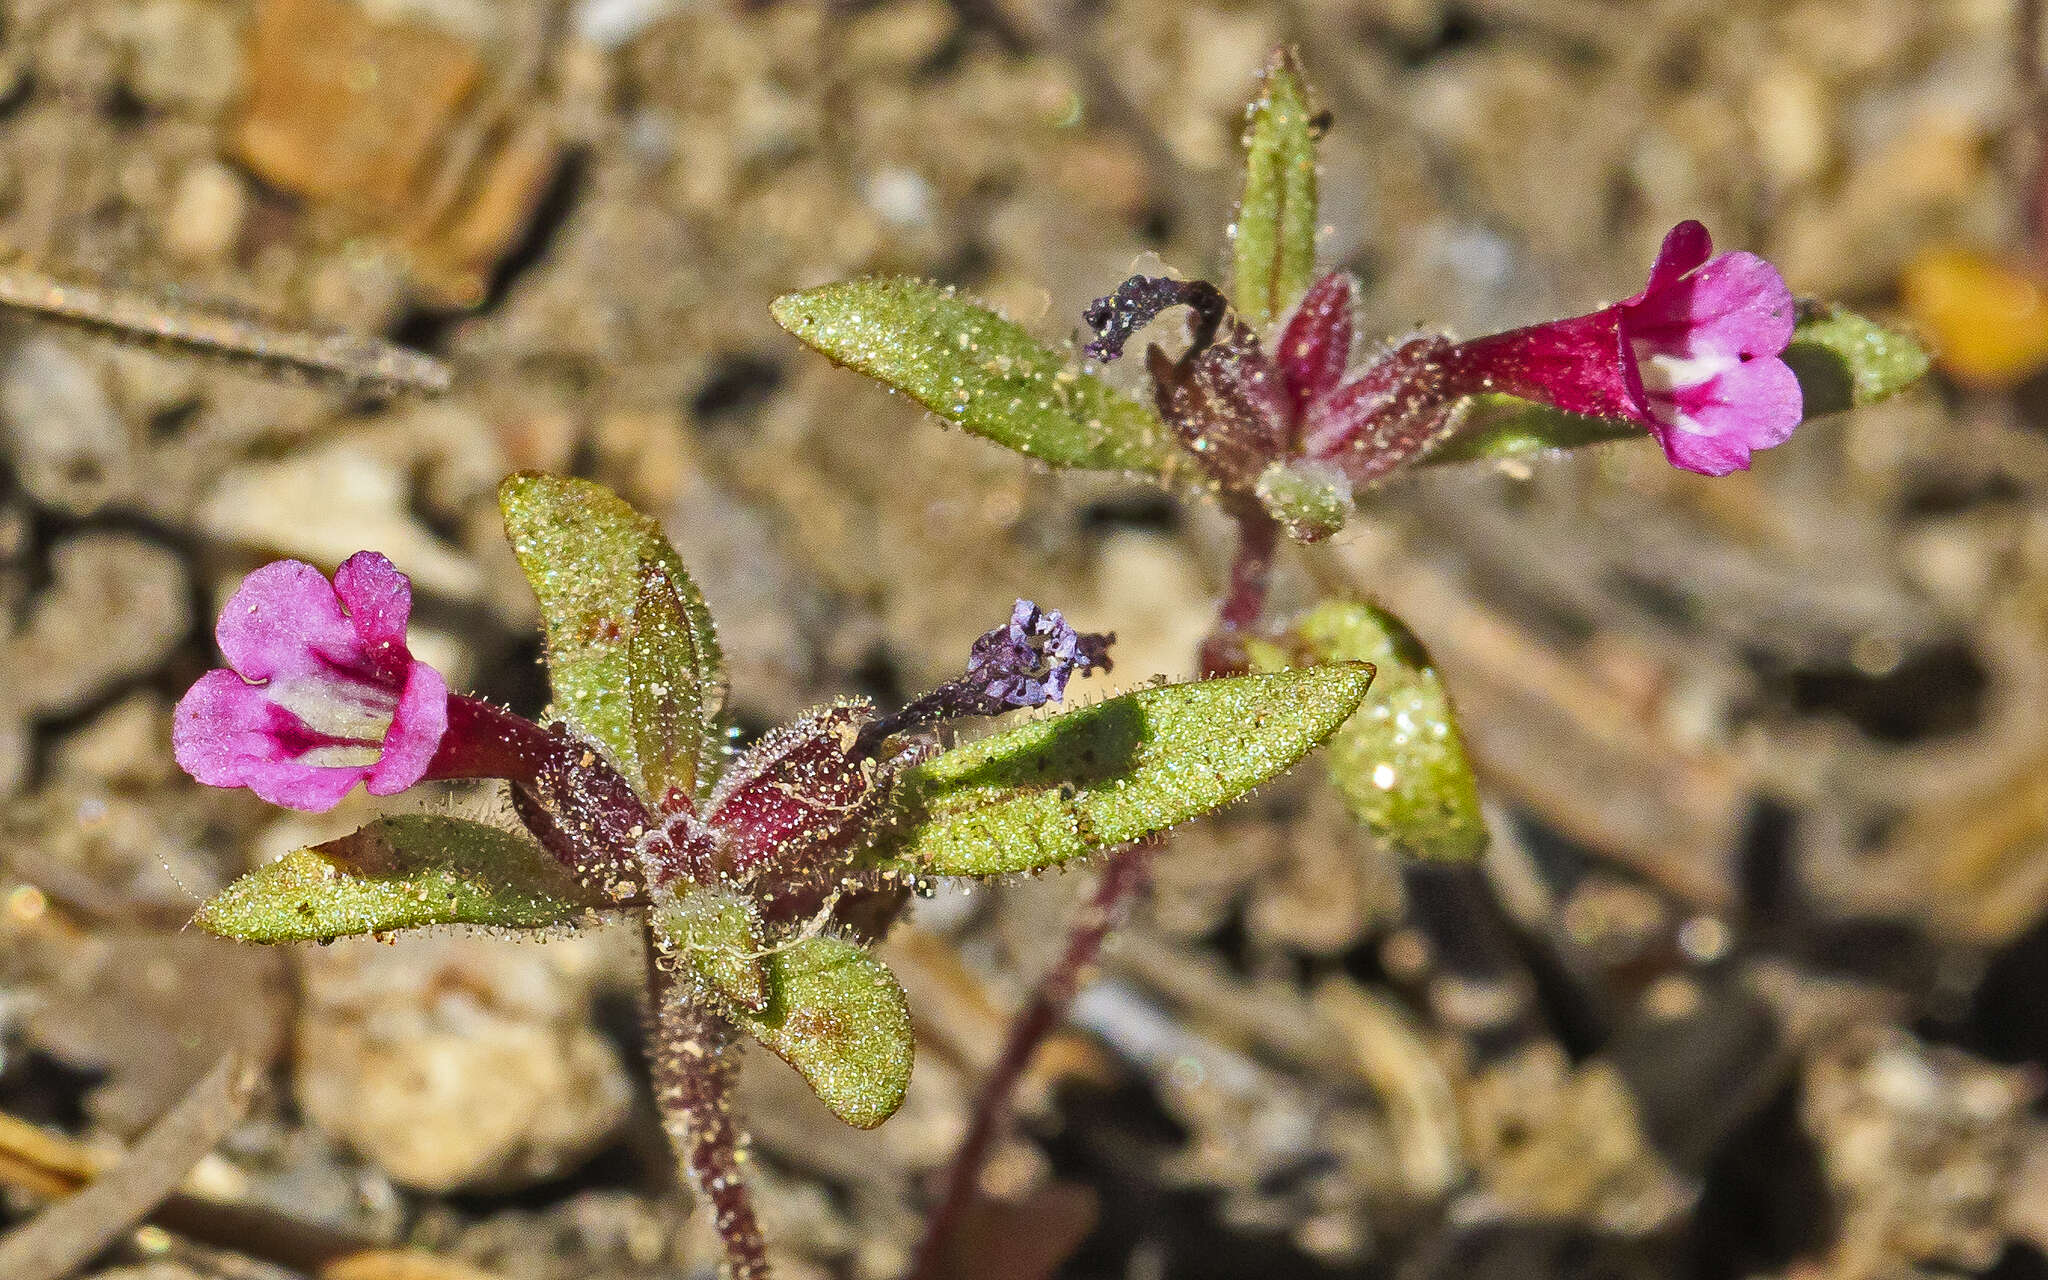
<point x="759" y="879"/>
<point x="1271" y="411"/>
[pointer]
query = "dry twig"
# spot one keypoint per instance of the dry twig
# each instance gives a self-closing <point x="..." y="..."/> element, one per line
<point x="72" y="1231"/>
<point x="361" y="364"/>
<point x="45" y="1164"/>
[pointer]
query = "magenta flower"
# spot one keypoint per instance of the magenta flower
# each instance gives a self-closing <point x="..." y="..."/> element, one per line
<point x="1694" y="357"/>
<point x="321" y="693"/>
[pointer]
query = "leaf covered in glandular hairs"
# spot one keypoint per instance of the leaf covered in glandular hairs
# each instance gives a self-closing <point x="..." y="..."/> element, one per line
<point x="838" y="1016"/>
<point x="717" y="936"/>
<point x="1273" y="241"/>
<point x="1399" y="763"/>
<point x="1842" y="360"/>
<point x="402" y="872"/>
<point x="666" y="693"/>
<point x="978" y="371"/>
<point x="581" y="548"/>
<point x="1092" y="779"/>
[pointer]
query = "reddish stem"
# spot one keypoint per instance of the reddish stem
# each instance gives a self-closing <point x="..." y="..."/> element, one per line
<point x="695" y="1069"/>
<point x="2028" y="22"/>
<point x="1251" y="579"/>
<point x="1121" y="880"/>
<point x="1223" y="653"/>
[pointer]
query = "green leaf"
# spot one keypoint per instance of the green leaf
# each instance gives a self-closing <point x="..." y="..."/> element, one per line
<point x="1273" y="241"/>
<point x="1500" y="427"/>
<point x="1088" y="780"/>
<point x="838" y="1016"/>
<point x="666" y="696"/>
<point x="581" y="548"/>
<point x="1400" y="763"/>
<point x="1842" y="360"/>
<point x="399" y="873"/>
<point x="719" y="936"/>
<point x="978" y="371"/>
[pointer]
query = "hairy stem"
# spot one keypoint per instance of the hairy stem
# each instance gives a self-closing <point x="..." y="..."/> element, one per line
<point x="1121" y="881"/>
<point x="695" y="1068"/>
<point x="1251" y="578"/>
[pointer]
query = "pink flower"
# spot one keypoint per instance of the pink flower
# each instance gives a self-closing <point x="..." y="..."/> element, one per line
<point x="322" y="693"/>
<point x="1694" y="357"/>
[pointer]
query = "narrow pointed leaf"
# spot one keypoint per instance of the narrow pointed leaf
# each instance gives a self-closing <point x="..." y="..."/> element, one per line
<point x="581" y="547"/>
<point x="979" y="372"/>
<point x="838" y="1016"/>
<point x="665" y="663"/>
<point x="718" y="936"/>
<point x="401" y="872"/>
<point x="1085" y="781"/>
<point x="1399" y="763"/>
<point x="1273" y="242"/>
<point x="1842" y="360"/>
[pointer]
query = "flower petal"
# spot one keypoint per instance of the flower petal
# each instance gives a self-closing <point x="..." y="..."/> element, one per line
<point x="285" y="620"/>
<point x="1686" y="249"/>
<point x="227" y="733"/>
<point x="379" y="602"/>
<point x="417" y="728"/>
<point x="311" y="788"/>
<point x="1315" y="344"/>
<point x="1736" y="304"/>
<point x="218" y="725"/>
<point x="1712" y="428"/>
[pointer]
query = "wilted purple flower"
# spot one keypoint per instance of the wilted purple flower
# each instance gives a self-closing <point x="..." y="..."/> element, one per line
<point x="1026" y="663"/>
<point x="1139" y="300"/>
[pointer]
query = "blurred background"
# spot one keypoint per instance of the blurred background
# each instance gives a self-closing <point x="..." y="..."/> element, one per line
<point x="1754" y="981"/>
